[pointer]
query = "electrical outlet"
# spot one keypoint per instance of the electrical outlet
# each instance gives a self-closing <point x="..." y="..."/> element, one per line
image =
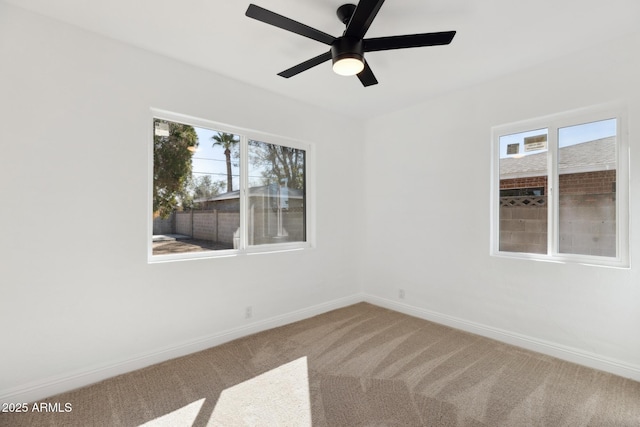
<point x="401" y="293"/>
<point x="248" y="312"/>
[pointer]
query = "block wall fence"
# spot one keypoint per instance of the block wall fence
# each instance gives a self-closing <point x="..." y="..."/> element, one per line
<point x="587" y="204"/>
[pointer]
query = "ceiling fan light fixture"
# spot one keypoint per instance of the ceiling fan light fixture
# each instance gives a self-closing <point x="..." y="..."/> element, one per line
<point x="348" y="65"/>
<point x="347" y="55"/>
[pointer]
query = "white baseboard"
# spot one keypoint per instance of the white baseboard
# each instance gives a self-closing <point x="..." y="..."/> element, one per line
<point x="62" y="383"/>
<point x="569" y="354"/>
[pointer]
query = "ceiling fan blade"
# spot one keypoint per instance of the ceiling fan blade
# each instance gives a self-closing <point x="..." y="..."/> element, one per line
<point x="411" y="40"/>
<point x="362" y="18"/>
<point x="366" y="76"/>
<point x="304" y="66"/>
<point x="272" y="18"/>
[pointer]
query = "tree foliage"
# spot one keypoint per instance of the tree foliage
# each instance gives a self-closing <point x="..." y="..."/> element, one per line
<point x="172" y="167"/>
<point x="278" y="162"/>
<point x="204" y="187"/>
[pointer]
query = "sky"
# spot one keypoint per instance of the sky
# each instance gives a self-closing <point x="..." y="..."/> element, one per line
<point x="566" y="136"/>
<point x="209" y="159"/>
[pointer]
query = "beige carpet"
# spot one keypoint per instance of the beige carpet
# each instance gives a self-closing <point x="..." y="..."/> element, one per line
<point x="358" y="366"/>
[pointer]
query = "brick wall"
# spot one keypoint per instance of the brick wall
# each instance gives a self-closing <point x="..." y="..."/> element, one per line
<point x="528" y="182"/>
<point x="599" y="182"/>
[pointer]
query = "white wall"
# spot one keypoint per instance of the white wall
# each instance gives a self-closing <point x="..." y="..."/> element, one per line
<point x="427" y="170"/>
<point x="78" y="300"/>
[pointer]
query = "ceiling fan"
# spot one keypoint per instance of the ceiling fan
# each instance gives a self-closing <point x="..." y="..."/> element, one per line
<point x="347" y="51"/>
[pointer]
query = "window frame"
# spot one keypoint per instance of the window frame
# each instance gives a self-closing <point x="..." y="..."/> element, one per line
<point x="553" y="123"/>
<point x="245" y="135"/>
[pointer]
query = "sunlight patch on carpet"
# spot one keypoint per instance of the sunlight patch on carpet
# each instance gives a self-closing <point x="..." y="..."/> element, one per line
<point x="277" y="397"/>
<point x="184" y="416"/>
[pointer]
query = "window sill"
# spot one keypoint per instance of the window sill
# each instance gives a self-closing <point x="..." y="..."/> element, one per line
<point x="586" y="260"/>
<point x="253" y="250"/>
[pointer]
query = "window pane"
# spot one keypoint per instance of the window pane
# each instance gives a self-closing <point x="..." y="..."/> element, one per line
<point x="196" y="198"/>
<point x="276" y="211"/>
<point x="523" y="192"/>
<point x="587" y="188"/>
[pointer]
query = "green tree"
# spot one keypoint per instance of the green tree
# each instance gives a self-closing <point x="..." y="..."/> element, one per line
<point x="226" y="141"/>
<point x="204" y="187"/>
<point x="278" y="163"/>
<point x="172" y="166"/>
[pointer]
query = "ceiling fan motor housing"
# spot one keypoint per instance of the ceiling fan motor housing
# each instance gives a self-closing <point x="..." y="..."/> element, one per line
<point x="347" y="47"/>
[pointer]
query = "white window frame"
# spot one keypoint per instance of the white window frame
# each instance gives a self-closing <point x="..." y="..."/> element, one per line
<point x="554" y="122"/>
<point x="245" y="136"/>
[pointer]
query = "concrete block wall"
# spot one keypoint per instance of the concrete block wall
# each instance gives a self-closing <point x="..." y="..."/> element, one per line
<point x="163" y="226"/>
<point x="588" y="224"/>
<point x="265" y="225"/>
<point x="293" y="222"/>
<point x="523" y="229"/>
<point x="219" y="226"/>
<point x="183" y="223"/>
<point x="586" y="209"/>
<point x="204" y="225"/>
<point x="228" y="223"/>
<point x="207" y="225"/>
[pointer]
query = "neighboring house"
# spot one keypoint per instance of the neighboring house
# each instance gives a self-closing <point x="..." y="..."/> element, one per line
<point x="589" y="157"/>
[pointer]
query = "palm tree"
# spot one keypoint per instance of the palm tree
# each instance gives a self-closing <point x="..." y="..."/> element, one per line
<point x="226" y="141"/>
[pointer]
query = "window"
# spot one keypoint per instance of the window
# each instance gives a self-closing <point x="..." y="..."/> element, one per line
<point x="560" y="188"/>
<point x="218" y="190"/>
<point x="276" y="193"/>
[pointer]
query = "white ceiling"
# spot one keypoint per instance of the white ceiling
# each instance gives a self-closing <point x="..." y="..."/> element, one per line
<point x="495" y="37"/>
